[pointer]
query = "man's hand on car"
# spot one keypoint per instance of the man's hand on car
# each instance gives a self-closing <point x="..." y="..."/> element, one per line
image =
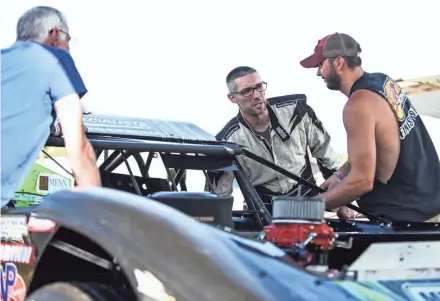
<point x="343" y="212"/>
<point x="346" y="213"/>
<point x="331" y="183"/>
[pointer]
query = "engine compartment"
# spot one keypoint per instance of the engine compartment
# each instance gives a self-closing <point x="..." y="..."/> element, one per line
<point x="328" y="248"/>
<point x="341" y="249"/>
<point x="298" y="227"/>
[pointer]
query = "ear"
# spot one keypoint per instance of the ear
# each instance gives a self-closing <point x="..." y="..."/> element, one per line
<point x="338" y="63"/>
<point x="232" y="98"/>
<point x="52" y="38"/>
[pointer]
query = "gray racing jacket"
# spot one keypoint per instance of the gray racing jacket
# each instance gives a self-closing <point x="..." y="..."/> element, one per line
<point x="295" y="128"/>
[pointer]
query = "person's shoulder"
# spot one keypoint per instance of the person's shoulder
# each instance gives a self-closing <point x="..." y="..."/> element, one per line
<point x="378" y="74"/>
<point x="36" y="53"/>
<point x="58" y="53"/>
<point x="375" y="79"/>
<point x="363" y="101"/>
<point x="228" y="130"/>
<point x="291" y="105"/>
<point x="50" y="53"/>
<point x="287" y="100"/>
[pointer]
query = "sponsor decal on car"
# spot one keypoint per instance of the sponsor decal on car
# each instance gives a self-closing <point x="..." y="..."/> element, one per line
<point x="12" y="284"/>
<point x="50" y="183"/>
<point x="393" y="290"/>
<point x="422" y="291"/>
<point x="17" y="253"/>
<point x="40" y="225"/>
<point x="13" y="227"/>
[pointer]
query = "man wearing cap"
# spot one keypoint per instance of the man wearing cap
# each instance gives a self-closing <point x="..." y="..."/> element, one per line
<point x="279" y="129"/>
<point x="393" y="169"/>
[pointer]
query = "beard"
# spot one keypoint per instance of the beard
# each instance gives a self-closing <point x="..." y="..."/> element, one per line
<point x="333" y="80"/>
<point x="254" y="110"/>
<point x="259" y="110"/>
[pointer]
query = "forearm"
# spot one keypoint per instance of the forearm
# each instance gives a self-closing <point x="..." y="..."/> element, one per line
<point x="326" y="157"/>
<point x="84" y="166"/>
<point x="348" y="191"/>
<point x="224" y="185"/>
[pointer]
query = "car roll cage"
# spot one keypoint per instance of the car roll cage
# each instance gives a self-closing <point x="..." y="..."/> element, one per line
<point x="177" y="157"/>
<point x="197" y="156"/>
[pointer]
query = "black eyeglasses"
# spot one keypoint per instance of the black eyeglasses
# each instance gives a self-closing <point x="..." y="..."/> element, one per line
<point x="250" y="90"/>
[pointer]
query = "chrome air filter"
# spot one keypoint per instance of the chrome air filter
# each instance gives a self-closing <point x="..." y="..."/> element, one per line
<point x="297" y="209"/>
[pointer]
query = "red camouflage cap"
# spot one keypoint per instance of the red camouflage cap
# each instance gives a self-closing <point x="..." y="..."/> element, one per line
<point x="331" y="46"/>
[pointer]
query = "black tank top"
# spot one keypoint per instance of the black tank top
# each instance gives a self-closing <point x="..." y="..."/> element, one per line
<point x="413" y="191"/>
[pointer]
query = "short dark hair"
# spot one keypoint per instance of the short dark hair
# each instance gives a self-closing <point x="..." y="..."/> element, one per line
<point x="236" y="73"/>
<point x="352" y="61"/>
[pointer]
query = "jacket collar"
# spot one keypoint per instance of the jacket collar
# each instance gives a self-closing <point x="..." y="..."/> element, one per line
<point x="275" y="123"/>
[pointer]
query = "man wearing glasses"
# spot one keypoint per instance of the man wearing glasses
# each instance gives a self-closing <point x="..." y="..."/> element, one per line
<point x="281" y="130"/>
<point x="39" y="81"/>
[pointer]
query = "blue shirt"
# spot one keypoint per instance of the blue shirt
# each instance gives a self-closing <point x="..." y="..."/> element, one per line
<point x="33" y="77"/>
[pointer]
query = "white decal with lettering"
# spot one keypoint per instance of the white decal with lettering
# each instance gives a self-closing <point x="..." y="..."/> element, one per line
<point x="409" y="123"/>
<point x="13" y="227"/>
<point x="17" y="253"/>
<point x="49" y="183"/>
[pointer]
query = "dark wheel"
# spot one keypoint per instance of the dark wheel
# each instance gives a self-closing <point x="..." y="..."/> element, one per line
<point x="75" y="291"/>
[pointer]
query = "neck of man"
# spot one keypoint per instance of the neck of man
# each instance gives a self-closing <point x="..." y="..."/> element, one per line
<point x="38" y="40"/>
<point x="349" y="80"/>
<point x="258" y="123"/>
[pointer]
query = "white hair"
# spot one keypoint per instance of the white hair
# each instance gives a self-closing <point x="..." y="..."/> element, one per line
<point x="36" y="23"/>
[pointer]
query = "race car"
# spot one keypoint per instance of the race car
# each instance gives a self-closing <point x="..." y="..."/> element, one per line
<point x="151" y="238"/>
<point x="39" y="182"/>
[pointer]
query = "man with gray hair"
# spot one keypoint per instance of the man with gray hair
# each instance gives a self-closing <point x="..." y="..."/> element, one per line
<point x="44" y="25"/>
<point x="281" y="130"/>
<point x="40" y="82"/>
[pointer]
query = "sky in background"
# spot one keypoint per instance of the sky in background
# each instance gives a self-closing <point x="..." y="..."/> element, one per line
<point x="172" y="57"/>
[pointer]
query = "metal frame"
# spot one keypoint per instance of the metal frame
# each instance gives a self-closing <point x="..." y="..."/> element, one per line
<point x="217" y="156"/>
<point x="198" y="156"/>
